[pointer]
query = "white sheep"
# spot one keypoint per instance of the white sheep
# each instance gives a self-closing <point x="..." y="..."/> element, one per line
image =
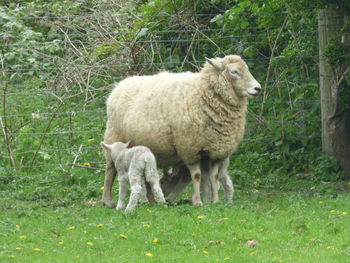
<point x="135" y="166"/>
<point x="183" y="118"/>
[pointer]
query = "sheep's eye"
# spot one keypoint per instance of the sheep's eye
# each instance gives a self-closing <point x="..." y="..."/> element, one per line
<point x="235" y="72"/>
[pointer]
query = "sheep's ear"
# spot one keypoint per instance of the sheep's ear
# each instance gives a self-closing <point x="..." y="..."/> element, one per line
<point x="129" y="144"/>
<point x="106" y="146"/>
<point x="215" y="63"/>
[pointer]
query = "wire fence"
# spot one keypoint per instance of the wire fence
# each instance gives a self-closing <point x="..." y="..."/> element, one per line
<point x="53" y="94"/>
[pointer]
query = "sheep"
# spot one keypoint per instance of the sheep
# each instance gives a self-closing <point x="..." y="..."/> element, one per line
<point x="135" y="166"/>
<point x="183" y="118"/>
<point x="173" y="183"/>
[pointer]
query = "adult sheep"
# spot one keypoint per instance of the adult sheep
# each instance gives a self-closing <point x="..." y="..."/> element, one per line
<point x="182" y="117"/>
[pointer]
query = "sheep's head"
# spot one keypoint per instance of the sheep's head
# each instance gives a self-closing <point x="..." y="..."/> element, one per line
<point x="234" y="69"/>
<point x="115" y="148"/>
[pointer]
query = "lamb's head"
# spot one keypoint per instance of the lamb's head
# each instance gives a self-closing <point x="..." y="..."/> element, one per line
<point x="235" y="71"/>
<point x="115" y="148"/>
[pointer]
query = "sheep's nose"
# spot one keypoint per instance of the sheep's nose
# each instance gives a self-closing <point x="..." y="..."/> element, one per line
<point x="258" y="89"/>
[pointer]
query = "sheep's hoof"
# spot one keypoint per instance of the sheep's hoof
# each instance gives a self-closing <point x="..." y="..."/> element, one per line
<point x="109" y="204"/>
<point x="197" y="203"/>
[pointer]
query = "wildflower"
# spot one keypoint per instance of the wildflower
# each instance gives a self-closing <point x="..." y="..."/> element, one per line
<point x="89" y="243"/>
<point x="256" y="182"/>
<point x="226" y="218"/>
<point x="227" y="258"/>
<point x="23" y="237"/>
<point x="37" y="249"/>
<point x="12" y="256"/>
<point x="150" y="255"/>
<point x="200" y="217"/>
<point x="100" y="225"/>
<point x="18" y="248"/>
<point x="60" y="242"/>
<point x="77" y="256"/>
<point x="71" y="228"/>
<point x="344" y="213"/>
<point x="102" y="188"/>
<point x="149" y="211"/>
<point x="205" y="252"/>
<point x="146" y="225"/>
<point x="332" y="211"/>
<point x="330" y="247"/>
<point x="91" y="139"/>
<point x="123" y="236"/>
<point x="320" y="202"/>
<point x="155" y="240"/>
<point x="87" y="164"/>
<point x="18" y="226"/>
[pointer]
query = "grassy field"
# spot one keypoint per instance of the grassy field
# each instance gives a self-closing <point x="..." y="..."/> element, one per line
<point x="259" y="226"/>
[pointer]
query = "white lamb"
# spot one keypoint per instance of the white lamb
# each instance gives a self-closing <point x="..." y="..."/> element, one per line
<point x="184" y="118"/>
<point x="135" y="166"/>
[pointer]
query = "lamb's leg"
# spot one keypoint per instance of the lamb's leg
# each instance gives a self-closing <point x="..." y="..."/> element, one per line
<point x="196" y="178"/>
<point x="183" y="179"/>
<point x="225" y="180"/>
<point x="143" y="198"/>
<point x="123" y="190"/>
<point x="214" y="169"/>
<point x="135" y="185"/>
<point x="157" y="191"/>
<point x="108" y="183"/>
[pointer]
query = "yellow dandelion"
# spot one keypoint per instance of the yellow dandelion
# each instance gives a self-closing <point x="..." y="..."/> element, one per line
<point x="77" y="256"/>
<point x="348" y="183"/>
<point x="200" y="217"/>
<point x="227" y="258"/>
<point x="146" y="225"/>
<point x="102" y="188"/>
<point x="344" y="213"/>
<point x="330" y="247"/>
<point x="205" y="252"/>
<point x="150" y="255"/>
<point x="123" y="236"/>
<point x="37" y="249"/>
<point x="18" y="226"/>
<point x="320" y="202"/>
<point x="91" y="139"/>
<point x="71" y="228"/>
<point x="18" y="248"/>
<point x="226" y="218"/>
<point x="12" y="256"/>
<point x="100" y="225"/>
<point x="89" y="243"/>
<point x="155" y="240"/>
<point x="332" y="211"/>
<point x="149" y="211"/>
<point x="23" y="237"/>
<point x="87" y="164"/>
<point x="256" y="191"/>
<point x="60" y="242"/>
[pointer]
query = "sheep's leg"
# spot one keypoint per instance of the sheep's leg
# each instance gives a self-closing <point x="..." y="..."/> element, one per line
<point x="206" y="187"/>
<point x="225" y="180"/>
<point x="196" y="178"/>
<point x="214" y="181"/>
<point x="183" y="179"/>
<point x="108" y="183"/>
<point x="135" y="178"/>
<point x="123" y="190"/>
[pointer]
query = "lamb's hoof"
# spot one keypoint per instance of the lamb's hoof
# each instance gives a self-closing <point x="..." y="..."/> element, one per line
<point x="109" y="203"/>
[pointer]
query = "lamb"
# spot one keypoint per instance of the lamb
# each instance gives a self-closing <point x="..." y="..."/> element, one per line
<point x="135" y="166"/>
<point x="184" y="118"/>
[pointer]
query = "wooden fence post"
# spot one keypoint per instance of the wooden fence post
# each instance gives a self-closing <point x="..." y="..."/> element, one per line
<point x="335" y="118"/>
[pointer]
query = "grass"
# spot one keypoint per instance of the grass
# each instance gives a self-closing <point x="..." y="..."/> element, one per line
<point x="259" y="226"/>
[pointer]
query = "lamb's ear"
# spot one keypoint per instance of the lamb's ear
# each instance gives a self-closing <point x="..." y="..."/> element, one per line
<point x="106" y="146"/>
<point x="215" y="63"/>
<point x="129" y="144"/>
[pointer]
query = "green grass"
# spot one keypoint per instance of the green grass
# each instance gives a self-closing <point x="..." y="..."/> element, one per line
<point x="287" y="227"/>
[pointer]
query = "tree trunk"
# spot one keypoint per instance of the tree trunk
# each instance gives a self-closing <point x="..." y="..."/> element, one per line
<point x="335" y="113"/>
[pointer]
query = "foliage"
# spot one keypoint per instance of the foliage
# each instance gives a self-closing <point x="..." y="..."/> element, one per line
<point x="58" y="58"/>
